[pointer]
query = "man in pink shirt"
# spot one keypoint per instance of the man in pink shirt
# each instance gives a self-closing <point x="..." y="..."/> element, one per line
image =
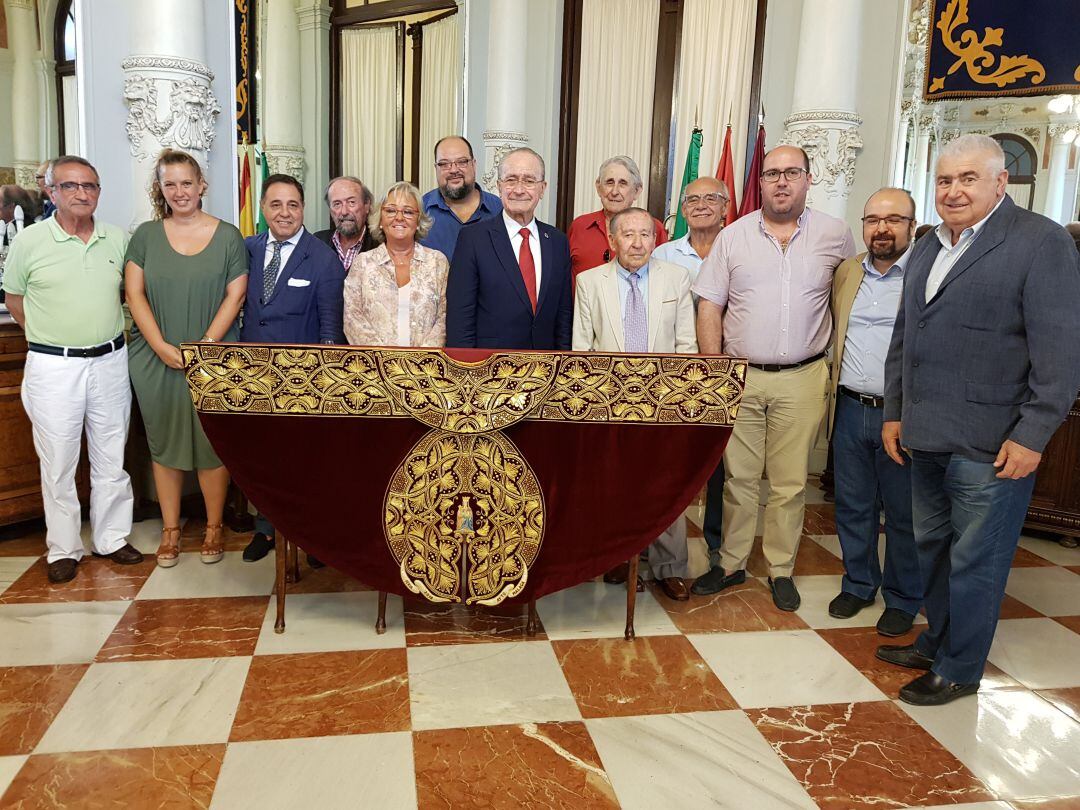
<point x="764" y="291"/>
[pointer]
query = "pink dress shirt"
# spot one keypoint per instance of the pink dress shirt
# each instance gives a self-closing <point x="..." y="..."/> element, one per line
<point x="776" y="303"/>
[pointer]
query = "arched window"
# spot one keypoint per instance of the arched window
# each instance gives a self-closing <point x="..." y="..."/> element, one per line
<point x="1022" y="163"/>
<point x="67" y="94"/>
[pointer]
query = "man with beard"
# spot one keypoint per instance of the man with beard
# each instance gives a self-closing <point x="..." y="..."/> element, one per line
<point x="764" y="293"/>
<point x="349" y="201"/>
<point x="866" y="296"/>
<point x="458" y="200"/>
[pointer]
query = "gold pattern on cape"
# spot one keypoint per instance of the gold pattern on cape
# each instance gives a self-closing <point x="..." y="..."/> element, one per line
<point x="975" y="54"/>
<point x="426" y="385"/>
<point x="464" y="518"/>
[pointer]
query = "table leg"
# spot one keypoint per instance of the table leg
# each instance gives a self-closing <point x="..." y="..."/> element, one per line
<point x="531" y="624"/>
<point x="294" y="562"/>
<point x="279" y="561"/>
<point x="380" y="622"/>
<point x="631" y="598"/>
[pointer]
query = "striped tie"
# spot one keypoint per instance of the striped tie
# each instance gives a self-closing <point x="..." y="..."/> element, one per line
<point x="270" y="272"/>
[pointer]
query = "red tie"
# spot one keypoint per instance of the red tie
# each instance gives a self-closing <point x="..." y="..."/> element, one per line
<point x="528" y="268"/>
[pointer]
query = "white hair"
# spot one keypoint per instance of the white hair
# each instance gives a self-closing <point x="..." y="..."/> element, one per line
<point x="627" y="163"/>
<point x="965" y="145"/>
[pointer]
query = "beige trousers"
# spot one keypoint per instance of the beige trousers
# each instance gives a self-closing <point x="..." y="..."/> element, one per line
<point x="778" y="421"/>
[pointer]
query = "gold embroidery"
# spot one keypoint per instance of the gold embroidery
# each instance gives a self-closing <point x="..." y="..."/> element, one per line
<point x="464" y="518"/>
<point x="975" y="54"/>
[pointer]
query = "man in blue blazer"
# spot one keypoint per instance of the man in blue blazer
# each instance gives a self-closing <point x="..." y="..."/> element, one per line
<point x="983" y="366"/>
<point x="509" y="283"/>
<point x="294" y="294"/>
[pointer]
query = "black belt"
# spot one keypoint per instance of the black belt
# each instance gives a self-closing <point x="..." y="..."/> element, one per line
<point x="787" y="366"/>
<point x="92" y="351"/>
<point x="868" y="400"/>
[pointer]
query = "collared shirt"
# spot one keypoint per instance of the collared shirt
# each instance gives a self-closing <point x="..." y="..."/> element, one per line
<point x="346" y="256"/>
<point x="950" y="254"/>
<point x="681" y="252"/>
<point x="870" y="326"/>
<point x="776" y="302"/>
<point x="623" y="275"/>
<point x="589" y="246"/>
<point x="513" y="230"/>
<point x="445" y="225"/>
<point x="287" y="246"/>
<point x="71" y="287"/>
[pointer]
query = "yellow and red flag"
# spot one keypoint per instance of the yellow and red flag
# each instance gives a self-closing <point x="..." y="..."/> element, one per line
<point x="247" y="199"/>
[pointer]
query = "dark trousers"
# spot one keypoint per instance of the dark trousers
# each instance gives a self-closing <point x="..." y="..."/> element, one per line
<point x="867" y="479"/>
<point x="713" y="522"/>
<point x="967" y="525"/>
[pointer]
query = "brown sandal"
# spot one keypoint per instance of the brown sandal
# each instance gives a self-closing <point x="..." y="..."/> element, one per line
<point x="168" y="553"/>
<point x="213" y="547"/>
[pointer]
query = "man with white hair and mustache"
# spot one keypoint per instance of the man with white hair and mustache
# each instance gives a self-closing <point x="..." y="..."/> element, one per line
<point x="458" y="200"/>
<point x="349" y="201"/>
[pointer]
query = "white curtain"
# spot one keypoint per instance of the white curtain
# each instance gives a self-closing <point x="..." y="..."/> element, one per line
<point x="441" y="78"/>
<point x="716" y="66"/>
<point x="618" y="67"/>
<point x="369" y="104"/>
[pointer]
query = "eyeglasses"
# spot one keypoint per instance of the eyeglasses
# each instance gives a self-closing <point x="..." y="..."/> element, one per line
<point x="791" y="175"/>
<point x="70" y="188"/>
<point x="39" y="177"/>
<point x="528" y="183"/>
<point x="709" y="199"/>
<point x="446" y="165"/>
<point x="893" y="220"/>
<point x="406" y="213"/>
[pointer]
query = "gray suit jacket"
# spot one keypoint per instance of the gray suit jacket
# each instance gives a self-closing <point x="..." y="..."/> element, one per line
<point x="995" y="354"/>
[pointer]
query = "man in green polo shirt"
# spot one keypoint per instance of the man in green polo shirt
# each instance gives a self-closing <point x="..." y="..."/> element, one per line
<point x="62" y="282"/>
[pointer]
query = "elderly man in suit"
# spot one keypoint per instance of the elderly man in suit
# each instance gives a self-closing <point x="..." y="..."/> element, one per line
<point x="638" y="304"/>
<point x="509" y="283"/>
<point x="983" y="366"/>
<point x="349" y="201"/>
<point x="294" y="294"/>
<point x="866" y="296"/>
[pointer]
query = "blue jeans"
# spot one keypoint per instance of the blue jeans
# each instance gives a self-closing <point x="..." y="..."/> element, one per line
<point x="967" y="526"/>
<point x="867" y="479"/>
<point x="263" y="525"/>
<point x="712" y="524"/>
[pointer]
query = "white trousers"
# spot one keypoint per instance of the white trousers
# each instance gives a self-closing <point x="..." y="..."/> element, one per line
<point x="62" y="396"/>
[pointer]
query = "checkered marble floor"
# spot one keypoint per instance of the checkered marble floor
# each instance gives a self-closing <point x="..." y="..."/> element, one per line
<point x="141" y="687"/>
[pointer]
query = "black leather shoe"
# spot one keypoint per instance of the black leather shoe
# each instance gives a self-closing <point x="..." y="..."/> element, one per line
<point x="62" y="570"/>
<point x="894" y="622"/>
<point x="784" y="593"/>
<point x="903" y="655"/>
<point x="127" y="554"/>
<point x="315" y="562"/>
<point x="933" y="690"/>
<point x="846" y="605"/>
<point x="715" y="580"/>
<point x="258" y="548"/>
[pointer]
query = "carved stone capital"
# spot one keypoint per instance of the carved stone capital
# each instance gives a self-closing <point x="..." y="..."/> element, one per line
<point x="832" y="143"/>
<point x="1056" y="132"/>
<point x="25" y="171"/>
<point x="188" y="122"/>
<point x="286" y="160"/>
<point x="823" y="117"/>
<point x="498" y="144"/>
<point x="313" y="16"/>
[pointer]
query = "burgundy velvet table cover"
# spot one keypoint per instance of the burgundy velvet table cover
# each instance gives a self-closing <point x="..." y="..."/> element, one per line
<point x="608" y="488"/>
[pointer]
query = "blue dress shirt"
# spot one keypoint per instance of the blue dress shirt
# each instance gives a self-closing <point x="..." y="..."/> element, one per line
<point x="624" y="286"/>
<point x="870" y="327"/>
<point x="445" y="224"/>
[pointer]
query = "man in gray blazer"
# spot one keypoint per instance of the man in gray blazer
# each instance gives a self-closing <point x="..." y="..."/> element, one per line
<point x="983" y="366"/>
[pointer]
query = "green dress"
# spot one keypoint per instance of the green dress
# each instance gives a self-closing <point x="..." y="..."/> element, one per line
<point x="184" y="294"/>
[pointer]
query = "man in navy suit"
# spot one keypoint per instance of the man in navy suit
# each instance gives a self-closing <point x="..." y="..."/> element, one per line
<point x="294" y="294"/>
<point x="983" y="366"/>
<point x="509" y="283"/>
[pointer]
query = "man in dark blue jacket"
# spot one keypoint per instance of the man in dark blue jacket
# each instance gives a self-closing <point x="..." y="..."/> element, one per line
<point x="983" y="366"/>
<point x="294" y="294"/>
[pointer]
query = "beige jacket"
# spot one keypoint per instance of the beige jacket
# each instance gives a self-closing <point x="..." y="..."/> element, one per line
<point x="598" y="317"/>
<point x="371" y="299"/>
<point x="846" y="281"/>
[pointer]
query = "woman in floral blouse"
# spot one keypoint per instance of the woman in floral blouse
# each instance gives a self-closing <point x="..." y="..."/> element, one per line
<point x="395" y="295"/>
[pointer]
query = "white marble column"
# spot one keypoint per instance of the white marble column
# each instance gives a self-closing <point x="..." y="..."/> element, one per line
<point x="25" y="110"/>
<point x="282" y="129"/>
<point x="930" y="214"/>
<point x="313" y="24"/>
<point x="900" y="158"/>
<point x="1059" y="165"/>
<point x="505" y="124"/>
<point x="919" y="172"/>
<point x="167" y="89"/>
<point x="824" y="121"/>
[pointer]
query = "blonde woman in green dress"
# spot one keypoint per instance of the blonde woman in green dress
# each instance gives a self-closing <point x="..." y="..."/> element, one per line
<point x="185" y="279"/>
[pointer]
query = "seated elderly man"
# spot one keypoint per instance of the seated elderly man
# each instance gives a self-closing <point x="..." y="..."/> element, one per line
<point x="618" y="185"/>
<point x="614" y="307"/>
